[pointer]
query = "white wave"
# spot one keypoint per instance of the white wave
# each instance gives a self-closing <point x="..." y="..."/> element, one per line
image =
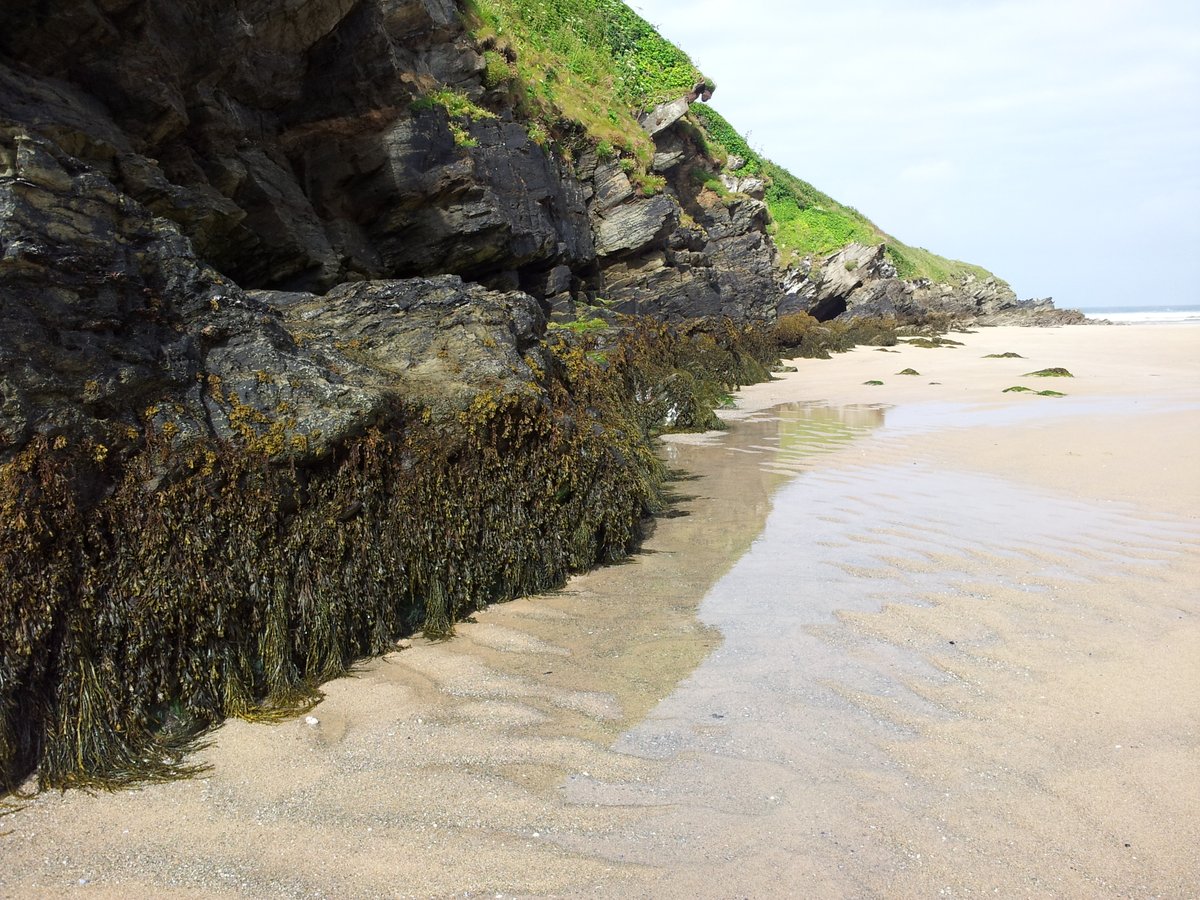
<point x="1149" y="317"/>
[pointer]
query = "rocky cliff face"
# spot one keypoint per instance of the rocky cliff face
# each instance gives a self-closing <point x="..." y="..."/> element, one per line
<point x="294" y="145"/>
<point x="859" y="282"/>
<point x="156" y="161"/>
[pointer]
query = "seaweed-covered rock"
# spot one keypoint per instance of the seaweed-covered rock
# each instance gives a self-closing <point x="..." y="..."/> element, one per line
<point x="214" y="499"/>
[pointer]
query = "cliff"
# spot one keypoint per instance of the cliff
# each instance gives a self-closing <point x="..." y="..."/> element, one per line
<point x="861" y="282"/>
<point x="839" y="264"/>
<point x="305" y="340"/>
<point x="298" y="146"/>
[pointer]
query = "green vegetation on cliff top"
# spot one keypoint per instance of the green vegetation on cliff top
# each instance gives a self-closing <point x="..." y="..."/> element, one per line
<point x="589" y="63"/>
<point x="603" y="43"/>
<point x="592" y="66"/>
<point x="809" y="221"/>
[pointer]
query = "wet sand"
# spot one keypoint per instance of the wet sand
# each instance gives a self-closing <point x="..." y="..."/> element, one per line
<point x="909" y="640"/>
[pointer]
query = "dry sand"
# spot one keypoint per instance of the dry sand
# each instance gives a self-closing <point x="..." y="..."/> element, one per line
<point x="910" y="640"/>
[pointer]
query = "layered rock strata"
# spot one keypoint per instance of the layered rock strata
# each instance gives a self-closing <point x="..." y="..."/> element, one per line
<point x="296" y="149"/>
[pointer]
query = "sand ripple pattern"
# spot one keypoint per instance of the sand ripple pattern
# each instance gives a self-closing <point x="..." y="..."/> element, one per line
<point x="902" y="646"/>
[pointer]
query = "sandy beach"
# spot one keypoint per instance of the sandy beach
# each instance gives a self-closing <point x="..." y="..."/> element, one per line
<point x="918" y="638"/>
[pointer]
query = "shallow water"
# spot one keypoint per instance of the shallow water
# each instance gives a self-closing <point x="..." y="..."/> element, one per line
<point x="782" y="744"/>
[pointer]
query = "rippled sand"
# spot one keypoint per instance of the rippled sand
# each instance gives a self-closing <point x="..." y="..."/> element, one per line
<point x="909" y="640"/>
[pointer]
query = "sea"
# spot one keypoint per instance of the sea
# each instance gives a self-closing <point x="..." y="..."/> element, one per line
<point x="1178" y="314"/>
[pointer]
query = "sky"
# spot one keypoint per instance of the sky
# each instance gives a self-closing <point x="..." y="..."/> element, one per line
<point x="1054" y="142"/>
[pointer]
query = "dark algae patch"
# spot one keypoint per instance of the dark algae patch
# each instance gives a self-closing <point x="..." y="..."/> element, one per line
<point x="801" y="335"/>
<point x="908" y="372"/>
<point x="149" y="595"/>
<point x="1055" y="372"/>
<point x="873" y="381"/>
<point x="1021" y="389"/>
<point x="931" y="343"/>
<point x="1007" y="355"/>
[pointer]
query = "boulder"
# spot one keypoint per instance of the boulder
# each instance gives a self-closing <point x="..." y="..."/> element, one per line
<point x="751" y="186"/>
<point x="665" y="115"/>
<point x="634" y="225"/>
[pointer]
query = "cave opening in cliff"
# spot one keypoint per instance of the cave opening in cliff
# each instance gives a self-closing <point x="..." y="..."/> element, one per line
<point x="829" y="308"/>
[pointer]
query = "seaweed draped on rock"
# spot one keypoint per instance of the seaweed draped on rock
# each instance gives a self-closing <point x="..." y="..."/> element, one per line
<point x="212" y="499"/>
<point x="218" y="484"/>
<point x="215" y="499"/>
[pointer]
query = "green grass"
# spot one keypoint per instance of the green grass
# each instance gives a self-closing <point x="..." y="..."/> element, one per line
<point x="460" y="109"/>
<point x="581" y="325"/>
<point x="582" y="65"/>
<point x="810" y="222"/>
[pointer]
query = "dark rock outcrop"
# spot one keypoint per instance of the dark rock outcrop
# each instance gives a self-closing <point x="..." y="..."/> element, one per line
<point x="296" y="149"/>
<point x="220" y="485"/>
<point x="288" y="144"/>
<point x="109" y="316"/>
<point x="214" y="499"/>
<point x="687" y="252"/>
<point x="275" y="382"/>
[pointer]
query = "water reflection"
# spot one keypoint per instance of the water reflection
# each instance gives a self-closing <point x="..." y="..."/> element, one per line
<point x="783" y="727"/>
<point x="787" y="437"/>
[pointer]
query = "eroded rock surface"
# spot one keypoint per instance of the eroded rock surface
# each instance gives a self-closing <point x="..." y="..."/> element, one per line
<point x="293" y="148"/>
<point x="858" y="281"/>
<point x="112" y="326"/>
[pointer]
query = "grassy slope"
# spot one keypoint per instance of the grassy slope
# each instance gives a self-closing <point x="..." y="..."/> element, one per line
<point x="583" y="69"/>
<point x="811" y="222"/>
<point x="582" y="65"/>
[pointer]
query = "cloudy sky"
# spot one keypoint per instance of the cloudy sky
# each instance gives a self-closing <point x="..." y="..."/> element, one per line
<point x="1055" y="142"/>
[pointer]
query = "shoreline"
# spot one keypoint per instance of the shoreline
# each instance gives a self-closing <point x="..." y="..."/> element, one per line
<point x="557" y="745"/>
<point x="1157" y="385"/>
